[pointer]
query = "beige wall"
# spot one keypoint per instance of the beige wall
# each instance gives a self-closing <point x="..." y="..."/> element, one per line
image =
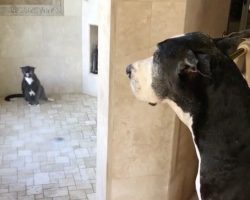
<point x="209" y="16"/>
<point x="50" y="43"/>
<point x="183" y="166"/>
<point x="144" y="153"/>
<point x="136" y="137"/>
<point x="141" y="154"/>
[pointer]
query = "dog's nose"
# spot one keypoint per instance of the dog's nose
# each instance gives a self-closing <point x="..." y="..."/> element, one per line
<point x="129" y="70"/>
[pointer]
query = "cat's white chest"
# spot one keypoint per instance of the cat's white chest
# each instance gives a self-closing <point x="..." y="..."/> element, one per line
<point x="29" y="80"/>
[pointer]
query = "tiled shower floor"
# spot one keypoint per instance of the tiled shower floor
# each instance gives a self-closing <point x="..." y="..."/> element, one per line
<point x="48" y="152"/>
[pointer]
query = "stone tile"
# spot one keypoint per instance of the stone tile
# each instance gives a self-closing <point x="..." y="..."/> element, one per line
<point x="10" y="157"/>
<point x="49" y="186"/>
<point x="45" y="167"/>
<point x="83" y="185"/>
<point x="56" y="153"/>
<point x="77" y="194"/>
<point x="62" y="198"/>
<point x="8" y="171"/>
<point x="4" y="188"/>
<point x="56" y="192"/>
<point x="17" y="187"/>
<point x="28" y="159"/>
<point x="41" y="178"/>
<point x="70" y="188"/>
<point x="23" y="173"/>
<point x="9" y="179"/>
<point x="26" y="197"/>
<point x="90" y="163"/>
<point x="77" y="177"/>
<point x="24" y="153"/>
<point x="66" y="182"/>
<point x="32" y="166"/>
<point x="17" y="163"/>
<point x="89" y="191"/>
<point x="31" y="190"/>
<point x="57" y="175"/>
<point x="90" y="122"/>
<point x="62" y="159"/>
<point x="91" y="196"/>
<point x="8" y="196"/>
<point x="39" y="196"/>
<point x="94" y="187"/>
<point x="82" y="153"/>
<point x="27" y="179"/>
<point x="88" y="174"/>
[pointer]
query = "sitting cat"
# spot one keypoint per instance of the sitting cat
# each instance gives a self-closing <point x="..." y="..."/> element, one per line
<point x="32" y="90"/>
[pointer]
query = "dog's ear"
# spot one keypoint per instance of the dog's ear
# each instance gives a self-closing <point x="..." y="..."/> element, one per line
<point x="194" y="65"/>
<point x="188" y="65"/>
<point x="204" y="65"/>
<point x="229" y="43"/>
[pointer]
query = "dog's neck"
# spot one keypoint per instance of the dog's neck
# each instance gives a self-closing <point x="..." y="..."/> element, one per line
<point x="185" y="117"/>
<point x="209" y="125"/>
<point x="215" y="119"/>
<point x="222" y="105"/>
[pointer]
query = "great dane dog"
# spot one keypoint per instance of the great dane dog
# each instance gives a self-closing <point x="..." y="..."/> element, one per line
<point x="195" y="75"/>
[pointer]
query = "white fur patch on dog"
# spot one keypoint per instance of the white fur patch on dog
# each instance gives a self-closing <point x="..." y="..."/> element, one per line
<point x="32" y="93"/>
<point x="176" y="36"/>
<point x="29" y="80"/>
<point x="141" y="80"/>
<point x="184" y="116"/>
<point x="187" y="119"/>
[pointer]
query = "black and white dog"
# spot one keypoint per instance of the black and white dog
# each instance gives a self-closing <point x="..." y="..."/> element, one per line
<point x="194" y="74"/>
<point x="32" y="90"/>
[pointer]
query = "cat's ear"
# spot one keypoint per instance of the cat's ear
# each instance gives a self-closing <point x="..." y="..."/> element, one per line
<point x="22" y="69"/>
<point x="32" y="68"/>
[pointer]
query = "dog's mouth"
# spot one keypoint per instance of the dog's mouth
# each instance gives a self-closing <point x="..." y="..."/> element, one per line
<point x="152" y="104"/>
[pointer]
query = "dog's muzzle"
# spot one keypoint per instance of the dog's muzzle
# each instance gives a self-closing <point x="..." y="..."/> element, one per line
<point x="136" y="78"/>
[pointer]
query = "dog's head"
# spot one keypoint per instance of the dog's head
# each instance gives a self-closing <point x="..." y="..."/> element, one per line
<point x="180" y="72"/>
<point x="176" y="65"/>
<point x="28" y="71"/>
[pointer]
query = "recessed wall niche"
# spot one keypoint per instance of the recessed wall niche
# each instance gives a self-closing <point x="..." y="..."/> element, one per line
<point x="93" y="49"/>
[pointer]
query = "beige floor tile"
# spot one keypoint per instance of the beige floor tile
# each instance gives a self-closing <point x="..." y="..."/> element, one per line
<point x="48" y="151"/>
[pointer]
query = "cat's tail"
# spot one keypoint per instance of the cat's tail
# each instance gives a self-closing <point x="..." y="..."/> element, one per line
<point x="9" y="97"/>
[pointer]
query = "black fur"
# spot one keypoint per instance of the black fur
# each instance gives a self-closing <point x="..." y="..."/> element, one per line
<point x="9" y="97"/>
<point x="229" y="43"/>
<point x="196" y="73"/>
<point x="220" y="106"/>
<point x="32" y="91"/>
